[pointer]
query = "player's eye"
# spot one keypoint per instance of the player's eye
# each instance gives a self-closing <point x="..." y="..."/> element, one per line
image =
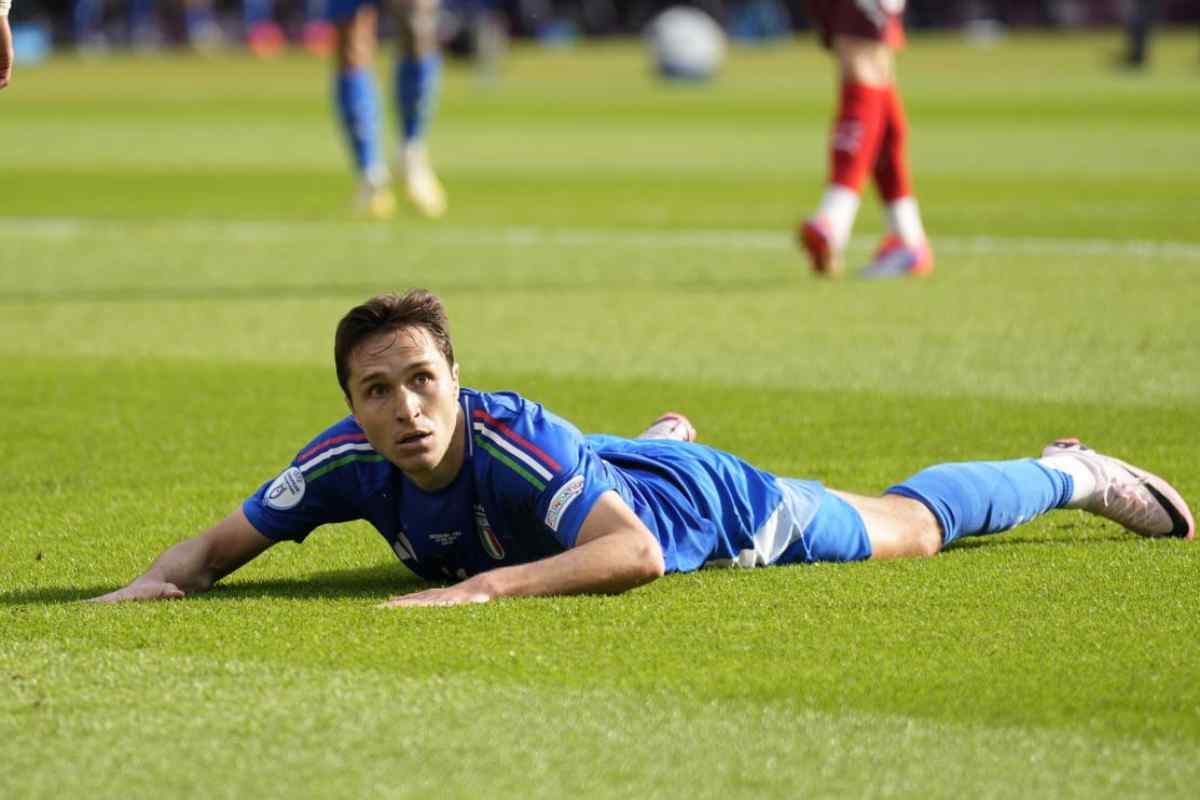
<point x="423" y="378"/>
<point x="376" y="390"/>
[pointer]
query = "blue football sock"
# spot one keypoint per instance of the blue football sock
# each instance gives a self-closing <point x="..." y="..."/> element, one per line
<point x="358" y="111"/>
<point x="416" y="90"/>
<point x="979" y="497"/>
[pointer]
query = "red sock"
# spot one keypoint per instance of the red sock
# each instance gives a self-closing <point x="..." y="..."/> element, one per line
<point x="854" y="143"/>
<point x="891" y="168"/>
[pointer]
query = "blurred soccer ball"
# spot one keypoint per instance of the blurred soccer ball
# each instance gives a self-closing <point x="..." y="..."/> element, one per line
<point x="686" y="44"/>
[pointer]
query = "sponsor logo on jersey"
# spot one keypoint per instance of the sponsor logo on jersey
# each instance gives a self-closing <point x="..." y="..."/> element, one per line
<point x="487" y="536"/>
<point x="287" y="490"/>
<point x="446" y="538"/>
<point x="562" y="500"/>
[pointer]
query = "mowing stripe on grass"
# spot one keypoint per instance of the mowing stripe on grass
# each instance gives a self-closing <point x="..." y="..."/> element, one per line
<point x="515" y="236"/>
<point x="140" y="723"/>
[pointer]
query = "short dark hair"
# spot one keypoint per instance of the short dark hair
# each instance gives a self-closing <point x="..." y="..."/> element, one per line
<point x="416" y="308"/>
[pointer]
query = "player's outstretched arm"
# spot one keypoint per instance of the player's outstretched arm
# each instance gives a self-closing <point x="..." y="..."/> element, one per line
<point x="613" y="553"/>
<point x="195" y="564"/>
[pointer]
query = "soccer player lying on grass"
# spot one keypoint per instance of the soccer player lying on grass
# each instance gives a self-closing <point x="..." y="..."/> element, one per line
<point x="497" y="493"/>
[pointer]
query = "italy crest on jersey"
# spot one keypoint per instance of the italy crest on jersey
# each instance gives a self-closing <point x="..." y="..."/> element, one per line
<point x="487" y="536"/>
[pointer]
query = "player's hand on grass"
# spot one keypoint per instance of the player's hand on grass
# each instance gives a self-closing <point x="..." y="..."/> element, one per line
<point x="457" y="595"/>
<point x="142" y="590"/>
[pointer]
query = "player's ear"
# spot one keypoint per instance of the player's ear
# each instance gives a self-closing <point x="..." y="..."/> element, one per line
<point x="454" y="375"/>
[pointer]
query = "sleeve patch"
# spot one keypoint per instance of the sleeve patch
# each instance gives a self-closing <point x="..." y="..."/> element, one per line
<point x="566" y="494"/>
<point x="286" y="491"/>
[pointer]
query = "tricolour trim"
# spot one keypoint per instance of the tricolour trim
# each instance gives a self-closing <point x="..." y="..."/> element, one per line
<point x="515" y="466"/>
<point x="487" y="433"/>
<point x="332" y="452"/>
<point x="516" y="438"/>
<point x="319" y="446"/>
<point x="341" y="462"/>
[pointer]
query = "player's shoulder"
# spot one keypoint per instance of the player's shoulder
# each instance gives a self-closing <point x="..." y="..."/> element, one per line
<point x="341" y="445"/>
<point x="511" y="412"/>
<point x="342" y="436"/>
<point x="505" y="406"/>
<point x="508" y="426"/>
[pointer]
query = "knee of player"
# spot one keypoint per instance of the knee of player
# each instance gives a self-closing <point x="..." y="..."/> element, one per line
<point x="650" y="560"/>
<point x="927" y="540"/>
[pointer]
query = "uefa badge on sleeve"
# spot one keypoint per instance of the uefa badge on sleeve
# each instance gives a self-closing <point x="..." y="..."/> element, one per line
<point x="287" y="490"/>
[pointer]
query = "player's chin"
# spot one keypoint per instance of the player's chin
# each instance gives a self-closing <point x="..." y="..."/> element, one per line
<point x="414" y="463"/>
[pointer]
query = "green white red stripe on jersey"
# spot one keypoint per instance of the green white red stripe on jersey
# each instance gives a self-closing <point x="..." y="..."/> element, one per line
<point x="327" y="461"/>
<point x="513" y="450"/>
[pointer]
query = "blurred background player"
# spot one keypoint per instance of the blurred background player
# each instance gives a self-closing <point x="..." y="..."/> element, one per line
<point x="869" y="136"/>
<point x="144" y="24"/>
<point x="1142" y="17"/>
<point x="416" y="78"/>
<point x="6" y="46"/>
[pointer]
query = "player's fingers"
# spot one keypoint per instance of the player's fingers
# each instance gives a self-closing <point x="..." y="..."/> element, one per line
<point x="394" y="602"/>
<point x="429" y="597"/>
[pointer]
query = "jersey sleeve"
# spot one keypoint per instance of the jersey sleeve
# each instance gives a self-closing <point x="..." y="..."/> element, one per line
<point x="309" y="492"/>
<point x="543" y="466"/>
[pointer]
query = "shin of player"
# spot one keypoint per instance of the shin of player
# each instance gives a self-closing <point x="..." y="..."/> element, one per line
<point x="869" y="138"/>
<point x="356" y="100"/>
<point x="418" y="69"/>
<point x="356" y="97"/>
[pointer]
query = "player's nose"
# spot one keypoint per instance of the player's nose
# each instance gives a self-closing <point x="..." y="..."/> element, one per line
<point x="408" y="405"/>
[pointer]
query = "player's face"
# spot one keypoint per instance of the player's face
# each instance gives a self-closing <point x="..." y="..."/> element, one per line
<point x="405" y="396"/>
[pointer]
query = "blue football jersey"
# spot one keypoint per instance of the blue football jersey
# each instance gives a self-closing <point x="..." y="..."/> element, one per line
<point x="528" y="482"/>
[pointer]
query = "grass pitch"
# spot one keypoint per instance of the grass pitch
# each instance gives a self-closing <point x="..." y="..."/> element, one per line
<point x="174" y="253"/>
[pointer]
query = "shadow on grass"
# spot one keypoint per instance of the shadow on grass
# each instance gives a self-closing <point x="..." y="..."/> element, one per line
<point x="989" y="542"/>
<point x="368" y="583"/>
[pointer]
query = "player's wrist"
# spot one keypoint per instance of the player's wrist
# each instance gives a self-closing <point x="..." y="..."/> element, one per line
<point x="487" y="584"/>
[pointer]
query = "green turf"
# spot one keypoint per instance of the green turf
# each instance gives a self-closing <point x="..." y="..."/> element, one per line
<point x="175" y="250"/>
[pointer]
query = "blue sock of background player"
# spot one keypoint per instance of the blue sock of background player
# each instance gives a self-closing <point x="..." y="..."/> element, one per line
<point x="416" y="86"/>
<point x="358" y="111"/>
<point x="356" y="101"/>
<point x="416" y="90"/>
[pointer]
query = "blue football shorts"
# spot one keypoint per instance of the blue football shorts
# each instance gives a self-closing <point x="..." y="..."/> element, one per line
<point x="832" y="529"/>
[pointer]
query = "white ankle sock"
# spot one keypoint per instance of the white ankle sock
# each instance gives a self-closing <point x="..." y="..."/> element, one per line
<point x="904" y="220"/>
<point x="839" y="207"/>
<point x="1081" y="475"/>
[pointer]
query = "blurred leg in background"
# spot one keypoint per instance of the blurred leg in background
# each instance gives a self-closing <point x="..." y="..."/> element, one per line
<point x="418" y="69"/>
<point x="1138" y="29"/>
<point x="356" y="101"/>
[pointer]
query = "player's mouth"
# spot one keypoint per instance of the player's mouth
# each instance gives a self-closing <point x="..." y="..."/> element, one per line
<point x="413" y="440"/>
